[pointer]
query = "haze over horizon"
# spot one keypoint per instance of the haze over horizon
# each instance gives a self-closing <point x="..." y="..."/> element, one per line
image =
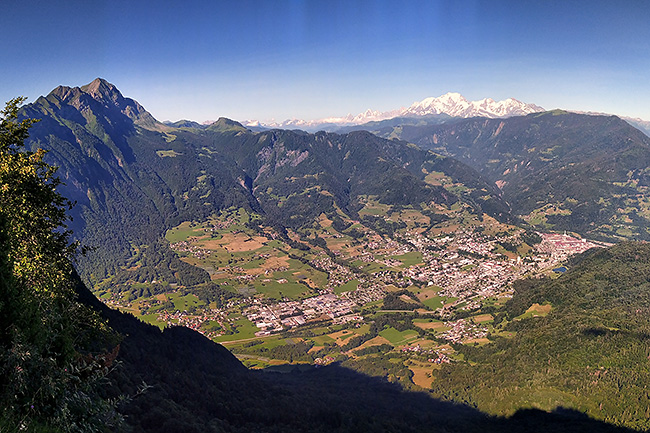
<point x="310" y="60"/>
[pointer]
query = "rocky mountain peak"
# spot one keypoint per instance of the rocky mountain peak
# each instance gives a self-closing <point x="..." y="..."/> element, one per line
<point x="102" y="90"/>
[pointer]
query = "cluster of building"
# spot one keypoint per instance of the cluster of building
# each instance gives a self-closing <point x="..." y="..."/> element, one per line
<point x="270" y="318"/>
<point x="558" y="247"/>
<point x="463" y="330"/>
<point x="465" y="266"/>
<point x="324" y="360"/>
<point x="187" y="247"/>
<point x="468" y="268"/>
<point x="439" y="356"/>
<point x="194" y="321"/>
<point x="365" y="294"/>
<point x="222" y="224"/>
<point x="337" y="274"/>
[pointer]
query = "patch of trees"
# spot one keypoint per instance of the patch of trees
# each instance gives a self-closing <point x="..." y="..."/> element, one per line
<point x="318" y="242"/>
<point x="435" y="218"/>
<point x="393" y="301"/>
<point x="211" y="292"/>
<point x="357" y="340"/>
<point x="508" y="246"/>
<point x="297" y="352"/>
<point x="355" y="233"/>
<point x="382" y="225"/>
<point x="381" y="366"/>
<point x="292" y="243"/>
<point x="531" y="237"/>
<point x="399" y="321"/>
<point x="339" y="225"/>
<point x="382" y="348"/>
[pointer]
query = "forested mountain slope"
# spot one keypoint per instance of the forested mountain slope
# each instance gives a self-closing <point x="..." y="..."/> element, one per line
<point x="590" y="352"/>
<point x="126" y="187"/>
<point x="557" y="169"/>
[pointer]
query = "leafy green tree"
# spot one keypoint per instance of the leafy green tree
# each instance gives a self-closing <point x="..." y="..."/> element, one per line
<point x="48" y="372"/>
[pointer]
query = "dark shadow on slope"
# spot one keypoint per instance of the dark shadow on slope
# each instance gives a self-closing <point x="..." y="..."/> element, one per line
<point x="199" y="386"/>
<point x="600" y="332"/>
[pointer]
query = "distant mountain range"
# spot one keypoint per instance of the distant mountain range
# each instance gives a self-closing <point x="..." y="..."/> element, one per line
<point x="455" y="105"/>
<point x="428" y="111"/>
<point x="642" y="125"/>
<point x="445" y="106"/>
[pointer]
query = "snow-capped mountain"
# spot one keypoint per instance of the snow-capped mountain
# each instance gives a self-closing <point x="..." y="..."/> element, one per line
<point x="328" y="122"/>
<point x="455" y="105"/>
<point x="451" y="104"/>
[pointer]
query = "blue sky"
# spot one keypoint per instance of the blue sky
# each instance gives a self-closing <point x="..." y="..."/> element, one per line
<point x="268" y="59"/>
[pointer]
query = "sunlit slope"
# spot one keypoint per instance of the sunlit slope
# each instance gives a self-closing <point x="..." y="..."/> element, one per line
<point x="558" y="170"/>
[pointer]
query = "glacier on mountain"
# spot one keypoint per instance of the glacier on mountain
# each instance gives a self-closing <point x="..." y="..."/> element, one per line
<point x="452" y="104"/>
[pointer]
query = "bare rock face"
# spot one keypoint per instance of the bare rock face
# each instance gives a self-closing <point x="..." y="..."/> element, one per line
<point x="99" y="92"/>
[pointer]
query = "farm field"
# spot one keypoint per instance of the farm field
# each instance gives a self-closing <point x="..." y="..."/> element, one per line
<point x="397" y="338"/>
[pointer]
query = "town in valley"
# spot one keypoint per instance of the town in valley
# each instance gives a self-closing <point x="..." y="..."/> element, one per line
<point x="321" y="290"/>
